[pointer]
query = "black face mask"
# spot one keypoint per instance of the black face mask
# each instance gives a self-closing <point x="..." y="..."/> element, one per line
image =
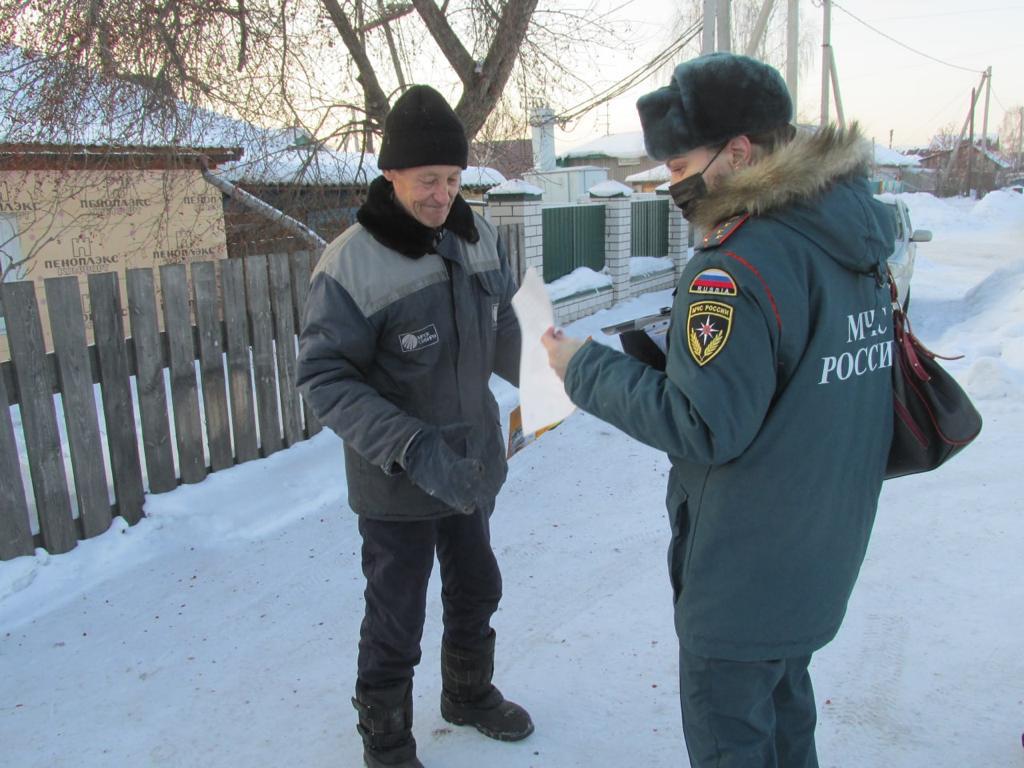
<point x="688" y="192"/>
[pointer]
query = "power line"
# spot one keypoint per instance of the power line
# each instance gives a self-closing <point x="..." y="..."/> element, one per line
<point x="972" y="12"/>
<point x="899" y="42"/>
<point x="999" y="101"/>
<point x="636" y="76"/>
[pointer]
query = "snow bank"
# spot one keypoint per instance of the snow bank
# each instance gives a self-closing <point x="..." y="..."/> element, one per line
<point x="579" y="280"/>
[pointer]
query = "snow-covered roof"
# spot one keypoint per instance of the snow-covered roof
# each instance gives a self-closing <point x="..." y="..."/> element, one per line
<point x="481" y="176"/>
<point x="995" y="158"/>
<point x="891" y="157"/>
<point x="270" y="155"/>
<point x="619" y="145"/>
<point x="658" y="173"/>
<point x="1001" y="162"/>
<point x="515" y="187"/>
<point x="289" y="157"/>
<point x="610" y="188"/>
<point x="103" y="114"/>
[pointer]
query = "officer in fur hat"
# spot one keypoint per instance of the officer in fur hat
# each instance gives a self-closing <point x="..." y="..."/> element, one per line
<point x="775" y="404"/>
<point x="408" y="315"/>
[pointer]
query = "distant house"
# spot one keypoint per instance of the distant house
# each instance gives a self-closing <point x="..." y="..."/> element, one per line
<point x="622" y="154"/>
<point x="895" y="171"/>
<point x="310" y="182"/>
<point x="512" y="158"/>
<point x="649" y="180"/>
<point x="72" y="210"/>
<point x="477" y="180"/>
<point x="974" y="168"/>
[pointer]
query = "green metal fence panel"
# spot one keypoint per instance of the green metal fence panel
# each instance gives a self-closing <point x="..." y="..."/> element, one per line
<point x="573" y="237"/>
<point x="649" y="223"/>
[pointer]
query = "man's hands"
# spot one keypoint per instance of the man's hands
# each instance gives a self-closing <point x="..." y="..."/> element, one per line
<point x="437" y="469"/>
<point x="560" y="349"/>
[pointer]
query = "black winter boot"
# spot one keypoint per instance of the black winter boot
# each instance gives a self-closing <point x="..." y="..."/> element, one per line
<point x="385" y="723"/>
<point x="468" y="698"/>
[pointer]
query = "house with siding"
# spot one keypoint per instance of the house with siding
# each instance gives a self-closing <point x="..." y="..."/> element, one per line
<point x="974" y="168"/>
<point x="621" y="154"/>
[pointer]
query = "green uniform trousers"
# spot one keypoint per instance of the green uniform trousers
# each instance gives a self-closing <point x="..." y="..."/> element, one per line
<point x="742" y="714"/>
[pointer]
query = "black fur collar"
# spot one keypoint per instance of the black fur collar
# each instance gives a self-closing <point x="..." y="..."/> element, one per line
<point x="390" y="225"/>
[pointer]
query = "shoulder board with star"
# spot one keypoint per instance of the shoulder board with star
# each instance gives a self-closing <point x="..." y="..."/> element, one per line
<point x="723" y="231"/>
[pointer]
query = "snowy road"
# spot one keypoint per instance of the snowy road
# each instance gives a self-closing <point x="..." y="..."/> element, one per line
<point x="221" y="631"/>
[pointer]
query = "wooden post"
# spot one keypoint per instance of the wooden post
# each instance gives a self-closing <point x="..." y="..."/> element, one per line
<point x="188" y="426"/>
<point x="211" y="364"/>
<point x="150" y="382"/>
<point x="118" y="405"/>
<point x="236" y="324"/>
<point x="67" y="325"/>
<point x="258" y="301"/>
<point x="284" y="334"/>
<point x="15" y="527"/>
<point x="38" y="417"/>
<point x="302" y="267"/>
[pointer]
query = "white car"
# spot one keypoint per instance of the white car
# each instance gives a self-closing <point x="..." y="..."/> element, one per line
<point x="901" y="262"/>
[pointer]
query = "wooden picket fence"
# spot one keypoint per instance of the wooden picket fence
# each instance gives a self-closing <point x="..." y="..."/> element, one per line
<point x="246" y="314"/>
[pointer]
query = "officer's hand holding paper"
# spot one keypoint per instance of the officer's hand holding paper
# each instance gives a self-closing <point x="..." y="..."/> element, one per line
<point x="541" y="394"/>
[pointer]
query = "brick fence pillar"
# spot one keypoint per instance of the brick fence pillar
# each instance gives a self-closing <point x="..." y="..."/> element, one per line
<point x="520" y="204"/>
<point x="678" y="236"/>
<point x="618" y="220"/>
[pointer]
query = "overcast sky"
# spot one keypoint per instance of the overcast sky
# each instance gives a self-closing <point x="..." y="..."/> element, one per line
<point x="883" y="85"/>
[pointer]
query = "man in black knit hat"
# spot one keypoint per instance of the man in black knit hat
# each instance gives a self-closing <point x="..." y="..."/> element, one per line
<point x="408" y="315"/>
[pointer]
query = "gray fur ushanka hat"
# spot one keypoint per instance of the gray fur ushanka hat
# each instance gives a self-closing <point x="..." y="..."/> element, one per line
<point x="710" y="100"/>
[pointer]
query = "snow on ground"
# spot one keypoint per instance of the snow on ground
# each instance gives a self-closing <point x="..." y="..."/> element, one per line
<point x="221" y="630"/>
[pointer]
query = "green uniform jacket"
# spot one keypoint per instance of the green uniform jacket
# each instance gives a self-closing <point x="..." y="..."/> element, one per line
<point x="775" y="407"/>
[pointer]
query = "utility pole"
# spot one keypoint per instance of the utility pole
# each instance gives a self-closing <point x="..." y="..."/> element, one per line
<point x="717" y="17"/>
<point x="1020" y="138"/>
<point x="984" y="119"/>
<point x="707" y="40"/>
<point x="826" y="59"/>
<point x="970" y="146"/>
<point x="759" y="26"/>
<point x="724" y="25"/>
<point x="944" y="176"/>
<point x="890" y="138"/>
<point x="834" y="72"/>
<point x="792" y="49"/>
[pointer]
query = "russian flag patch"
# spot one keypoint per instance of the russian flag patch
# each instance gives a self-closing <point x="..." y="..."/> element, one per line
<point x="714" y="281"/>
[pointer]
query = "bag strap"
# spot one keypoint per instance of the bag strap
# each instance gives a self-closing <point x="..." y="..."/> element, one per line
<point x="904" y="336"/>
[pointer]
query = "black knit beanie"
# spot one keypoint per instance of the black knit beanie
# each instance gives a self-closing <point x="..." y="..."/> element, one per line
<point x="710" y="100"/>
<point x="421" y="129"/>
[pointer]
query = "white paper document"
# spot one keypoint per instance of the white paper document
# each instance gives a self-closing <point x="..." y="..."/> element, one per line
<point x="542" y="397"/>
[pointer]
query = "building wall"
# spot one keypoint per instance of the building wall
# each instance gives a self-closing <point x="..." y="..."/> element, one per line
<point x="76" y="222"/>
<point x="983" y="171"/>
<point x="618" y="169"/>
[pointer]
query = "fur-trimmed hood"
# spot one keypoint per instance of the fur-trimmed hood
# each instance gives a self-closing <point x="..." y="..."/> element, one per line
<point x="817" y="186"/>
<point x="797" y="172"/>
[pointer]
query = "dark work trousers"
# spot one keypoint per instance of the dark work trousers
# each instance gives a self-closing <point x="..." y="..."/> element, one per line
<point x="397" y="560"/>
<point x="741" y="714"/>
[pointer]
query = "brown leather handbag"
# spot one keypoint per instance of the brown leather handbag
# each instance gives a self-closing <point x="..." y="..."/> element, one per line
<point x="933" y="418"/>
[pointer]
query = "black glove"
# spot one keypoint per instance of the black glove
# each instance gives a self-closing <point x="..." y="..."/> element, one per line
<point x="432" y="464"/>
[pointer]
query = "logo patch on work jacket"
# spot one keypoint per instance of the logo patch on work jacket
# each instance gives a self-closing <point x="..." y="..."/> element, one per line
<point x="708" y="325"/>
<point x="716" y="281"/>
<point x="425" y="337"/>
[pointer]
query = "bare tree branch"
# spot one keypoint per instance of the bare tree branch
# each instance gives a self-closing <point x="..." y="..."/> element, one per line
<point x="387" y="15"/>
<point x="490" y="78"/>
<point x="437" y="24"/>
<point x="377" y="106"/>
